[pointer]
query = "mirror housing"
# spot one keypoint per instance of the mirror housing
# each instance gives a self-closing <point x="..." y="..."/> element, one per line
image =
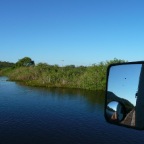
<point x="124" y="103"/>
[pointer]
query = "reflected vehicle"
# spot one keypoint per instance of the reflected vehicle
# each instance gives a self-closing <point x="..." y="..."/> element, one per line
<point x="115" y="111"/>
<point x="125" y="95"/>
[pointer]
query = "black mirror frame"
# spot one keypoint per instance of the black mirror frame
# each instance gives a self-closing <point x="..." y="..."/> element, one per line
<point x="105" y="103"/>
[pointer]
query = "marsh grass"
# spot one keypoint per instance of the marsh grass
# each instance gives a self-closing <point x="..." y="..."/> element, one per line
<point x="44" y="75"/>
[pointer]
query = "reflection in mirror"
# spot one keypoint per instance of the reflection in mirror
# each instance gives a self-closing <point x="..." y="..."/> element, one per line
<point x="125" y="89"/>
<point x="115" y="111"/>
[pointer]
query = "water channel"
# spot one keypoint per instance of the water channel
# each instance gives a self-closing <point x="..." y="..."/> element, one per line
<point x="30" y="115"/>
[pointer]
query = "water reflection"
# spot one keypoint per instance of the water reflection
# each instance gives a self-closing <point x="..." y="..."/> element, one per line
<point x="91" y="97"/>
<point x="39" y="115"/>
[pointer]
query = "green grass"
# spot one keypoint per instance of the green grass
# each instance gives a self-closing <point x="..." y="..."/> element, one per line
<point x="44" y="75"/>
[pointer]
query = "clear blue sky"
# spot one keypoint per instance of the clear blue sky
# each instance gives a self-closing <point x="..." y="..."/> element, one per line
<point x="80" y="32"/>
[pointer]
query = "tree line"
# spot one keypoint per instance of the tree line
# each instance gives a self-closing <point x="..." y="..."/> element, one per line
<point x="42" y="74"/>
<point x="4" y="64"/>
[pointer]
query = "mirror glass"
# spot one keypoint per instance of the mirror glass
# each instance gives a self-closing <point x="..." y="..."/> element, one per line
<point x="115" y="111"/>
<point x="125" y="95"/>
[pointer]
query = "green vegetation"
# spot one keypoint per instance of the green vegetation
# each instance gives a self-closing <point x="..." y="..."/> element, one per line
<point x="6" y="64"/>
<point x="45" y="75"/>
<point x="26" y="61"/>
<point x="5" y="67"/>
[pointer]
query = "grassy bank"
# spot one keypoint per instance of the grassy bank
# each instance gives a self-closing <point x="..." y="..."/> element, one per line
<point x="44" y="75"/>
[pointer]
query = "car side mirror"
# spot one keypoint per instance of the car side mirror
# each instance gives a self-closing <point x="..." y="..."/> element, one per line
<point x="124" y="103"/>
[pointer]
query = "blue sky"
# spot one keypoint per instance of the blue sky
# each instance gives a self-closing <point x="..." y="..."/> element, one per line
<point x="80" y="32"/>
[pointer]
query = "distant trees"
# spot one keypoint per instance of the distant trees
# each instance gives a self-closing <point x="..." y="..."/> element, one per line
<point x="26" y="61"/>
<point x="114" y="61"/>
<point x="4" y="64"/>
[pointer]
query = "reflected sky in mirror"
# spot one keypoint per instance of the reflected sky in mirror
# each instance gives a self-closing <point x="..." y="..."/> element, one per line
<point x="113" y="105"/>
<point x="123" y="81"/>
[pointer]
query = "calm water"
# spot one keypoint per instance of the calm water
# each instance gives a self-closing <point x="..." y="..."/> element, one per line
<point x="57" y="116"/>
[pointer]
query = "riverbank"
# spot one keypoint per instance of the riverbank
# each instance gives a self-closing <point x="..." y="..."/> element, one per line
<point x="44" y="75"/>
